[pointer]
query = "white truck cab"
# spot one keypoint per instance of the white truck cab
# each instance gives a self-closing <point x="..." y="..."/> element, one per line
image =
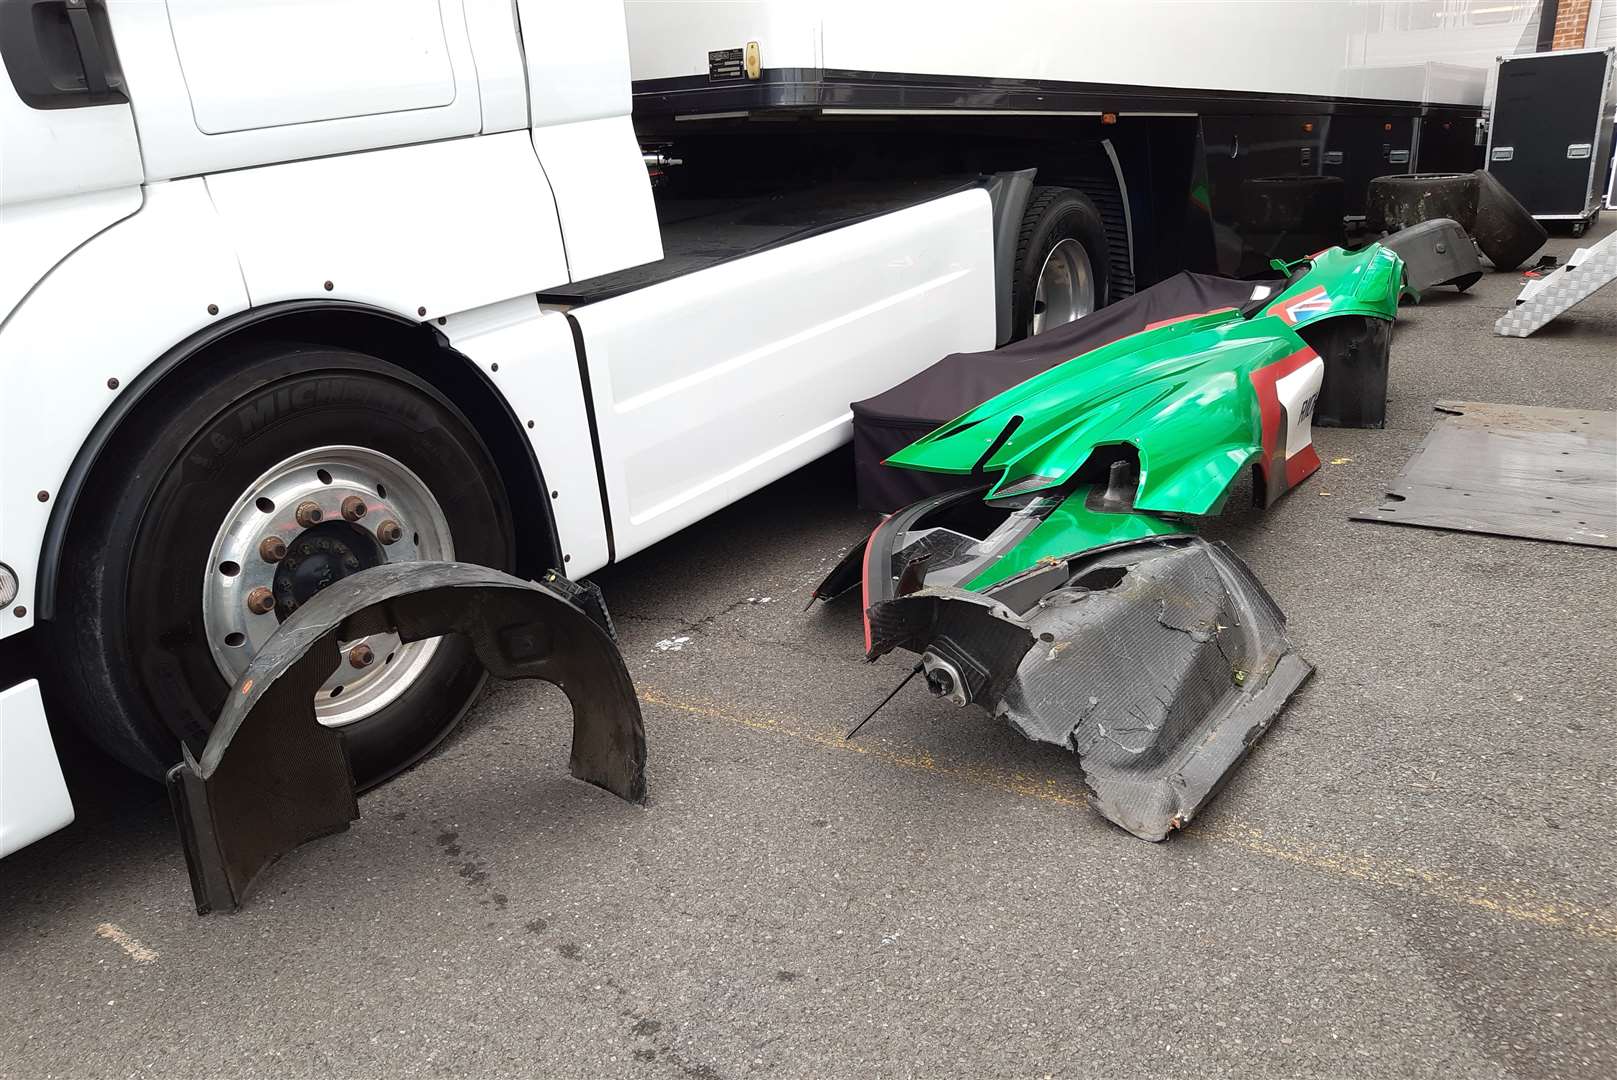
<point x="289" y="290"/>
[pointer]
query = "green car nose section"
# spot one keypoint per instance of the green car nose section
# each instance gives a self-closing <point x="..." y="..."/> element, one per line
<point x="1081" y="392"/>
<point x="1179" y="394"/>
<point x="1071" y="527"/>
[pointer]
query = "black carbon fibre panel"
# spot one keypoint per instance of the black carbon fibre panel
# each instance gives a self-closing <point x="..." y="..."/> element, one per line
<point x="1159" y="684"/>
<point x="1159" y="663"/>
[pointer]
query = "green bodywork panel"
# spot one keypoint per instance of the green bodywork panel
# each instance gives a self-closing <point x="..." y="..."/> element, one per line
<point x="1073" y="527"/>
<point x="1181" y="394"/>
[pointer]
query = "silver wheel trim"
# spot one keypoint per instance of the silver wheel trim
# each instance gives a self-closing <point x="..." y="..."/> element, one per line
<point x="1066" y="288"/>
<point x="326" y="475"/>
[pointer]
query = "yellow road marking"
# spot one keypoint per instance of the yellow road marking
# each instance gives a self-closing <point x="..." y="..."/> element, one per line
<point x="139" y="953"/>
<point x="1024" y="784"/>
<point x="1515" y="903"/>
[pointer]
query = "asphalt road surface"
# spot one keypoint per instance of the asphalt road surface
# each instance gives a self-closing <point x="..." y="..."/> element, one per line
<point x="1411" y="876"/>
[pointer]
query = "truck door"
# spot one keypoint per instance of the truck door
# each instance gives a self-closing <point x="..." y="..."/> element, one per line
<point x="69" y="162"/>
<point x="221" y="85"/>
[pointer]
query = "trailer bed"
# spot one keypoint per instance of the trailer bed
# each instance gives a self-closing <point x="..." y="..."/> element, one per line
<point x="699" y="233"/>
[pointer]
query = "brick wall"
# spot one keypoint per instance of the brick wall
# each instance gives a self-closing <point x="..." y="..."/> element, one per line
<point x="1571" y="24"/>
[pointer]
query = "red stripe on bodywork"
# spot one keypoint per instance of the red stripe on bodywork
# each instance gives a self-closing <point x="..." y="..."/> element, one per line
<point x="1271" y="418"/>
<point x="1183" y="318"/>
<point x="864" y="583"/>
<point x="1301" y="465"/>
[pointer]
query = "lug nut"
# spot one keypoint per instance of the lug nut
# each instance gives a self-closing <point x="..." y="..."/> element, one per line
<point x="361" y="656"/>
<point x="261" y="601"/>
<point x="309" y="513"/>
<point x="272" y="549"/>
<point x="388" y="532"/>
<point x="353" y="508"/>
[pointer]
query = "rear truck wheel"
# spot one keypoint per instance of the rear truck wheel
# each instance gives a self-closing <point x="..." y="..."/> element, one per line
<point x="1397" y="202"/>
<point x="259" y="480"/>
<point x="1504" y="231"/>
<point x="1060" y="274"/>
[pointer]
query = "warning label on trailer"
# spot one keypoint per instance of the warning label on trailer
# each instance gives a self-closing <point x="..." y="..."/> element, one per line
<point x="724" y="65"/>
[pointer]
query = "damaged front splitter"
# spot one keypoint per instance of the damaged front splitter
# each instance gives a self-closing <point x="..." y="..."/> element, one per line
<point x="1158" y="662"/>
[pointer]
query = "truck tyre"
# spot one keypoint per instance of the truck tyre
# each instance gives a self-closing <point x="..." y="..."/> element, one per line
<point x="1060" y="274"/>
<point x="258" y="479"/>
<point x="1316" y="205"/>
<point x="1504" y="231"/>
<point x="1288" y="217"/>
<point x="1397" y="202"/>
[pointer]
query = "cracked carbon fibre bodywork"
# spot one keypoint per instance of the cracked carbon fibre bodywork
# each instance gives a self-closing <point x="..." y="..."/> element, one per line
<point x="1157" y="662"/>
<point x="1174" y="671"/>
<point x="271" y="777"/>
<point x="1061" y="585"/>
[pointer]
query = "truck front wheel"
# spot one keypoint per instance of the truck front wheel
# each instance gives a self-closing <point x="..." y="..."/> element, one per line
<point x="1060" y="274"/>
<point x="258" y="480"/>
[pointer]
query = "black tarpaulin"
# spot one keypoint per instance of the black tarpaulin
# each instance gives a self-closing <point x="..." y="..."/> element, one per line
<point x="890" y="421"/>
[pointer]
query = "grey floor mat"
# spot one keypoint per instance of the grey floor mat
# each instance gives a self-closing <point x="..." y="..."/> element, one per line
<point x="1511" y="470"/>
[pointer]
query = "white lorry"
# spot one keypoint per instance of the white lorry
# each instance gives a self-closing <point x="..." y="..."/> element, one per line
<point x="288" y="290"/>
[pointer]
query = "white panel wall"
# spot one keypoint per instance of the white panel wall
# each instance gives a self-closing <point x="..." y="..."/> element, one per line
<point x="170" y="262"/>
<point x="33" y="797"/>
<point x="579" y="98"/>
<point x="578" y="61"/>
<point x="249" y="65"/>
<point x="1292" y="46"/>
<point x="603" y="195"/>
<point x="713" y="384"/>
<point x="443" y="226"/>
<point x="670" y="38"/>
<point x="229" y="42"/>
<point x="1473" y="37"/>
<point x="501" y="79"/>
<point x="1602" y="32"/>
<point x="530" y="356"/>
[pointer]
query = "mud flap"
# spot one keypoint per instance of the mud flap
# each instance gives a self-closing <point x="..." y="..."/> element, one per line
<point x="1159" y="663"/>
<point x="271" y="777"/>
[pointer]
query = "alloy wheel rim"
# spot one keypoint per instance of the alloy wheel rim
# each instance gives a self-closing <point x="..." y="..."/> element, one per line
<point x="1065" y="291"/>
<point x="312" y="519"/>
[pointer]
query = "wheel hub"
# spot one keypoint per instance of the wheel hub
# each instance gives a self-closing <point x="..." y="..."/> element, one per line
<point x="314" y="519"/>
<point x="1065" y="291"/>
<point x="319" y="557"/>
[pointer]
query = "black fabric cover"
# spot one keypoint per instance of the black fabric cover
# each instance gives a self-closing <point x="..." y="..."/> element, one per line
<point x="890" y="421"/>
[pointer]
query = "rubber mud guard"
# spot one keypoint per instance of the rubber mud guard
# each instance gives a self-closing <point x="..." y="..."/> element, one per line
<point x="1357" y="351"/>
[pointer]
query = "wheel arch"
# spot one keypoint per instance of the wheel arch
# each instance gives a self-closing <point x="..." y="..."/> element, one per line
<point x="414" y="347"/>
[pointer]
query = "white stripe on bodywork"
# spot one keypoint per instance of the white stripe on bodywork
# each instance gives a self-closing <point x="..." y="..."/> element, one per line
<point x="1298" y="392"/>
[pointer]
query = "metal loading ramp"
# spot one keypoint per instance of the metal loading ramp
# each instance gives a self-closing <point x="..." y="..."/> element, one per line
<point x="1587" y="272"/>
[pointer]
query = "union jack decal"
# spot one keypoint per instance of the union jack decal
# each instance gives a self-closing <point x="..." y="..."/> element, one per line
<point x="1304" y="306"/>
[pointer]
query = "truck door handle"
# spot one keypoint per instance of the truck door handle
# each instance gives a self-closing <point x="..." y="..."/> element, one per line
<point x="91" y="55"/>
<point x="60" y="53"/>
